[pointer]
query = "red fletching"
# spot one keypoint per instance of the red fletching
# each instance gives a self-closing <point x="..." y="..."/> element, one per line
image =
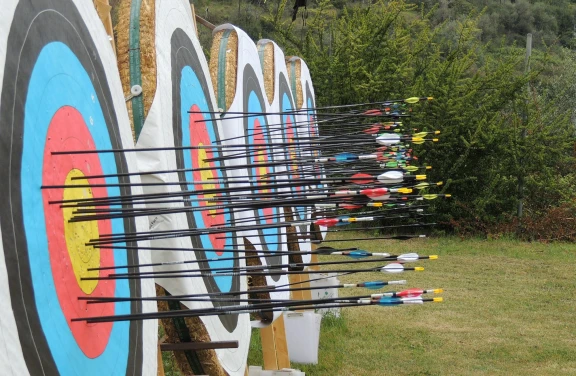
<point x="361" y="178"/>
<point x="327" y="222"/>
<point x="410" y="293"/>
<point x="372" y="130"/>
<point x="373" y="112"/>
<point x="350" y="207"/>
<point x="374" y="192"/>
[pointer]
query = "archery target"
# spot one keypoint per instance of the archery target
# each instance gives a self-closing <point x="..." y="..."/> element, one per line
<point x="243" y="71"/>
<point x="183" y="85"/>
<point x="59" y="93"/>
<point x="190" y="92"/>
<point x="259" y="152"/>
<point x="284" y="119"/>
<point x="303" y="92"/>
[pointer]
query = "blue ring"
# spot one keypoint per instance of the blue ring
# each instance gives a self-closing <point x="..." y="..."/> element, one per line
<point x="287" y="106"/>
<point x="191" y="93"/>
<point x="51" y="87"/>
<point x="270" y="235"/>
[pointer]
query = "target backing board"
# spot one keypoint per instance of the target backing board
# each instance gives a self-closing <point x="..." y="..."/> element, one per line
<point x="60" y="92"/>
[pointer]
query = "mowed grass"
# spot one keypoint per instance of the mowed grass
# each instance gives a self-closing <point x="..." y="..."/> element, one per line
<point x="509" y="309"/>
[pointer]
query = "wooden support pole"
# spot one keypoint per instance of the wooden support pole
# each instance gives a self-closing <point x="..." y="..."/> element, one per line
<point x="160" y="363"/>
<point x="314" y="259"/>
<point x="281" y="343"/>
<point x="306" y="294"/>
<point x="274" y="345"/>
<point x="269" y="348"/>
<point x="204" y="22"/>
<point x="295" y="279"/>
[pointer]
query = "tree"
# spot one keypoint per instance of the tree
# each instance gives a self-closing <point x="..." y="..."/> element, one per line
<point x="391" y="49"/>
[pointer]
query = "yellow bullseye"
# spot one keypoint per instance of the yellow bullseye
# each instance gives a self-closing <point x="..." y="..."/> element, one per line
<point x="261" y="159"/>
<point x="77" y="234"/>
<point x="206" y="175"/>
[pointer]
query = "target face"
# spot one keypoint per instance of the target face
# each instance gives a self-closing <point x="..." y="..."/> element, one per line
<point x="293" y="151"/>
<point x="55" y="97"/>
<point x="312" y="126"/>
<point x="190" y="93"/>
<point x="313" y="132"/>
<point x="257" y="134"/>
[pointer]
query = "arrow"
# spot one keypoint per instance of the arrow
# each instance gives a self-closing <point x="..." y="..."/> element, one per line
<point x="390" y="268"/>
<point x="235" y="310"/>
<point x="373" y="285"/>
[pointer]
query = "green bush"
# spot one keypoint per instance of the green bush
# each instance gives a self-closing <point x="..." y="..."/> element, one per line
<point x="483" y="100"/>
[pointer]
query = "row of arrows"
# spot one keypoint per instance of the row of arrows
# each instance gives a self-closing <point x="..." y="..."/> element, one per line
<point x="376" y="180"/>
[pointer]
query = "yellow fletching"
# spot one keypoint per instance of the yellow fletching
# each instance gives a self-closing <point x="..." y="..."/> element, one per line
<point x="417" y="140"/>
<point x="430" y="196"/>
<point x="420" y="134"/>
<point x="412" y="100"/>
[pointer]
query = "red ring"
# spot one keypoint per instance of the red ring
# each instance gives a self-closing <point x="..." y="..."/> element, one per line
<point x="68" y="131"/>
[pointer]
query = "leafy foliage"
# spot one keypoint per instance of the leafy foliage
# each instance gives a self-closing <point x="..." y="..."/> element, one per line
<point x="470" y="56"/>
<point x="483" y="104"/>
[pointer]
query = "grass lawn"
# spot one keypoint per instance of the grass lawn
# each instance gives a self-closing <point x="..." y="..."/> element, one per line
<point x="509" y="309"/>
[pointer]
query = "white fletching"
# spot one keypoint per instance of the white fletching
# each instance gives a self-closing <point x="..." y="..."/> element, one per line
<point x="388" y="139"/>
<point x="393" y="268"/>
<point x="380" y="198"/>
<point x="391" y="177"/>
<point x="408" y="257"/>
<point x="412" y="300"/>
